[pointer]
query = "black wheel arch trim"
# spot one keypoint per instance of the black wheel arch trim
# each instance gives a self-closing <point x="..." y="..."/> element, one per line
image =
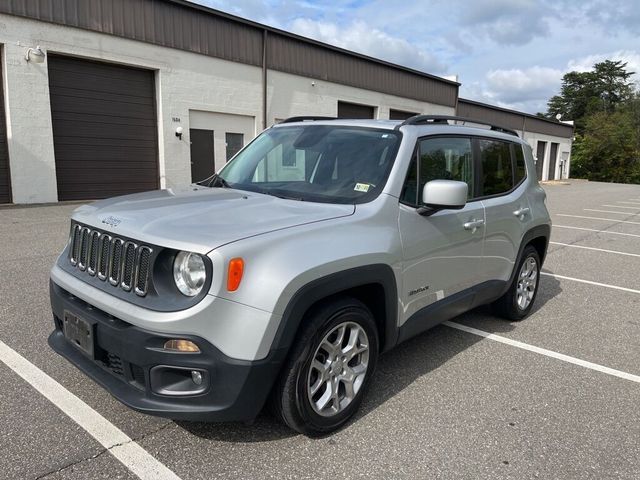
<point x="540" y="231"/>
<point x="334" y="284"/>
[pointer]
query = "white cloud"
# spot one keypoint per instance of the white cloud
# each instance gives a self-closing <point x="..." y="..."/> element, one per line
<point x="529" y="89"/>
<point x="360" y="37"/>
<point x="522" y="85"/>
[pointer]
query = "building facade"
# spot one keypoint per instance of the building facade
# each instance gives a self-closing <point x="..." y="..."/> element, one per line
<point x="126" y="96"/>
<point x="550" y="141"/>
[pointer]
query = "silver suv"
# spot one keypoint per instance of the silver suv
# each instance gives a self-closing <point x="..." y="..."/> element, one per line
<point x="282" y="278"/>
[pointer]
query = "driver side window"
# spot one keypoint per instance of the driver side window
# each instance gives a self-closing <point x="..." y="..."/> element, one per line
<point x="444" y="158"/>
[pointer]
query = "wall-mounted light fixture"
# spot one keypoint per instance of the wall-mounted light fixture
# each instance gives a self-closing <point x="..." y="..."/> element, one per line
<point x="35" y="55"/>
<point x="179" y="132"/>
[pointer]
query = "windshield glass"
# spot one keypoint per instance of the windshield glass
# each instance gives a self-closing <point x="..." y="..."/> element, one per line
<point x="318" y="163"/>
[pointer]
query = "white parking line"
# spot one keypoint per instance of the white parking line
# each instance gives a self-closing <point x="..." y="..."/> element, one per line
<point x="596" y="249"/>
<point x="597" y="231"/>
<point x="132" y="455"/>
<point x="598" y="218"/>
<point x="622" y="206"/>
<point x="608" y="211"/>
<point x="545" y="352"/>
<point x="632" y="203"/>
<point x="589" y="282"/>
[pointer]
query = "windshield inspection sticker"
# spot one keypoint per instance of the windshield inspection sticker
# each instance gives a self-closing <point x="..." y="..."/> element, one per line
<point x="361" y="187"/>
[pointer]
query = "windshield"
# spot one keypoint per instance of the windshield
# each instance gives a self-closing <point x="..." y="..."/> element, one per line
<point x="319" y="163"/>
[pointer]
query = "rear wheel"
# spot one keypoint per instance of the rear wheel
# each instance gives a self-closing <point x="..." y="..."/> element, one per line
<point x="323" y="382"/>
<point x="517" y="302"/>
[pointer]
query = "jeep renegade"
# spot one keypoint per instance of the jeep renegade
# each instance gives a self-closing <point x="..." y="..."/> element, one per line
<point x="282" y="278"/>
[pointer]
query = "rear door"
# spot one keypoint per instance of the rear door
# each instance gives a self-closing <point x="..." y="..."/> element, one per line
<point x="442" y="256"/>
<point x="507" y="210"/>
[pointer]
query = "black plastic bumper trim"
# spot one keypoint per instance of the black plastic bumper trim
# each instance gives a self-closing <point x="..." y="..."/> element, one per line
<point x="237" y="390"/>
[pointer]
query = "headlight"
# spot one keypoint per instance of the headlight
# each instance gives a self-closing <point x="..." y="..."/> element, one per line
<point x="189" y="273"/>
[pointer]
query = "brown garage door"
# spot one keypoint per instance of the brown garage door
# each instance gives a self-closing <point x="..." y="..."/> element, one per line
<point x="354" y="110"/>
<point x="5" y="183"/>
<point x="400" y="114"/>
<point x="104" y="128"/>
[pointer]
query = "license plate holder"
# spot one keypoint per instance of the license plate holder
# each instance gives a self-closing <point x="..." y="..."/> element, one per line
<point x="79" y="333"/>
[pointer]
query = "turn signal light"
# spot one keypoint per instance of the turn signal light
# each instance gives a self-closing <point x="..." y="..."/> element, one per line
<point x="181" y="346"/>
<point x="234" y="277"/>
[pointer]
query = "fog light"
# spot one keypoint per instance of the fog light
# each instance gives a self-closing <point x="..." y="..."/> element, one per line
<point x="196" y="376"/>
<point x="173" y="380"/>
<point x="177" y="345"/>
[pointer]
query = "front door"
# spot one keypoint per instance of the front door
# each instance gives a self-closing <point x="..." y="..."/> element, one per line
<point x="202" y="156"/>
<point x="442" y="252"/>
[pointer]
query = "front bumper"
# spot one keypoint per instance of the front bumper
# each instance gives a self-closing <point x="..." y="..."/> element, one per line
<point x="124" y="356"/>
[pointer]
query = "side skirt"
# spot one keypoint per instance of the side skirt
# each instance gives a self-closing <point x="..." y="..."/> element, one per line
<point x="450" y="307"/>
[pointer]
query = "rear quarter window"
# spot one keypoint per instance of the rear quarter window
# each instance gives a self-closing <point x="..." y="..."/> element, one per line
<point x="521" y="168"/>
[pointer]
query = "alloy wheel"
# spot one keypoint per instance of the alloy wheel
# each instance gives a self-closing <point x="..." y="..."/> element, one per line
<point x="338" y="369"/>
<point x="527" y="283"/>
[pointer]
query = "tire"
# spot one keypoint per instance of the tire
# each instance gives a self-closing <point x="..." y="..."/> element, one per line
<point x="294" y="400"/>
<point x="512" y="305"/>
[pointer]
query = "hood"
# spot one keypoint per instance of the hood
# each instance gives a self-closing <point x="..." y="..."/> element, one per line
<point x="200" y="219"/>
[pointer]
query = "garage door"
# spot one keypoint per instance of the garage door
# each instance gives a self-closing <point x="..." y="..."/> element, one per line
<point x="400" y="114"/>
<point x="354" y="110"/>
<point x="104" y="128"/>
<point x="5" y="183"/>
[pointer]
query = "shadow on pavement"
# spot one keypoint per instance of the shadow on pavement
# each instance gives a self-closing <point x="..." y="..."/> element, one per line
<point x="397" y="370"/>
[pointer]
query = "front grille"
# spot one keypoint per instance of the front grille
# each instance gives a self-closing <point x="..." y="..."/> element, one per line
<point x="128" y="260"/>
<point x="123" y="263"/>
<point x="142" y="275"/>
<point x="92" y="263"/>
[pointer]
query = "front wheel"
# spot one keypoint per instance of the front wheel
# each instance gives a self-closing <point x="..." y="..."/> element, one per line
<point x="323" y="383"/>
<point x="517" y="302"/>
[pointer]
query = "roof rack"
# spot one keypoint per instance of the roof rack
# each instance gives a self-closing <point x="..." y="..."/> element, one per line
<point x="306" y="119"/>
<point x="445" y="119"/>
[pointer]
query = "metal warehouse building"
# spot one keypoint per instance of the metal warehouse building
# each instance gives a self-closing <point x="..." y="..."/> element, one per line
<point x="132" y="95"/>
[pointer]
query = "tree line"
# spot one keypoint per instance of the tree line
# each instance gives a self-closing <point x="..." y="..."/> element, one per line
<point x="605" y="107"/>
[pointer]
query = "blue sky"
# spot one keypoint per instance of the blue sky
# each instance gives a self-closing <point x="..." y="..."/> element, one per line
<point x="511" y="53"/>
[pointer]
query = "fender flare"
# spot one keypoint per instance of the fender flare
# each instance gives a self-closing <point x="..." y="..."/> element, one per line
<point x="539" y="231"/>
<point x="333" y="284"/>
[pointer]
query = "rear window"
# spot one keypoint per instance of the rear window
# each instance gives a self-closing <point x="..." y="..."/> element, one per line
<point x="497" y="169"/>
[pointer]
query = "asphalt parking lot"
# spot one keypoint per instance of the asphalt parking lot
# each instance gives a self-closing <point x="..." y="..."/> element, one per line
<point x="447" y="404"/>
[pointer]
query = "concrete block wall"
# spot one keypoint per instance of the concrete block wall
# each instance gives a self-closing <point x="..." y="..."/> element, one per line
<point x="291" y="95"/>
<point x="184" y="82"/>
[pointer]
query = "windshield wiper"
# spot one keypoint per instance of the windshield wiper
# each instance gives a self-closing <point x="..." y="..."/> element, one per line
<point x="214" y="181"/>
<point x="300" y="199"/>
<point x="279" y="195"/>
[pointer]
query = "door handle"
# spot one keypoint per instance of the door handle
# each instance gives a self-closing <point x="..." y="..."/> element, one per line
<point x="521" y="212"/>
<point x="473" y="225"/>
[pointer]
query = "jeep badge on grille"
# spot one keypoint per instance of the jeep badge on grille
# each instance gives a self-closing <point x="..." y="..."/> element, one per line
<point x="113" y="221"/>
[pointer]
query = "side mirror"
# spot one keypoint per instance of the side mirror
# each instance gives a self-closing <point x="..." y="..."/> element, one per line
<point x="443" y="195"/>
